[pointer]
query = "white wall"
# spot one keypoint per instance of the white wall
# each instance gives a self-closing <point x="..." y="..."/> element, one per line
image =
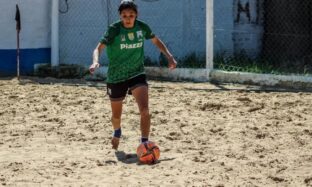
<point x="35" y="18"/>
<point x="223" y="26"/>
<point x="233" y="35"/>
<point x="179" y="23"/>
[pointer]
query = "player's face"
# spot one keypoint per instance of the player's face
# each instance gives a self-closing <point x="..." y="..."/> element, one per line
<point x="128" y="17"/>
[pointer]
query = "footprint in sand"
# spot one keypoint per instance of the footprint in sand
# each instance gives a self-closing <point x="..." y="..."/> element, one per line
<point x="308" y="181"/>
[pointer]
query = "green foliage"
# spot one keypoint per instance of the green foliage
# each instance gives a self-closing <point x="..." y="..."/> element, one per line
<point x="193" y="61"/>
<point x="149" y="62"/>
<point x="62" y="71"/>
<point x="242" y="63"/>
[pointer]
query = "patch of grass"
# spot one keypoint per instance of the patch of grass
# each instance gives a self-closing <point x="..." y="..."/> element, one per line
<point x="242" y="63"/>
<point x="149" y="62"/>
<point x="62" y="71"/>
<point x="193" y="61"/>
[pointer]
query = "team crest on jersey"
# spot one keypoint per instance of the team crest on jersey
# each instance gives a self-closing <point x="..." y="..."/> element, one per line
<point x="131" y="36"/>
<point x="123" y="38"/>
<point x="139" y="34"/>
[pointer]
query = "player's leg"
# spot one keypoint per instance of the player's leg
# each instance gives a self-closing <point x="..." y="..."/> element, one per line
<point x="117" y="93"/>
<point x="116" y="122"/>
<point x="141" y="96"/>
<point x="116" y="113"/>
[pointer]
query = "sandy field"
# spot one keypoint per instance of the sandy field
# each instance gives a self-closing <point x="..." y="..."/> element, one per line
<point x="57" y="133"/>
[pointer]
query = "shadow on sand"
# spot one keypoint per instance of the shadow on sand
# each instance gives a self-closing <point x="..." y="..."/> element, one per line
<point x="132" y="158"/>
<point x="126" y="158"/>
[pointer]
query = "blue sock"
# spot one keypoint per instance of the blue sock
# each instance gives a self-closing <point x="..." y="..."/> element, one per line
<point x="117" y="133"/>
<point x="144" y="139"/>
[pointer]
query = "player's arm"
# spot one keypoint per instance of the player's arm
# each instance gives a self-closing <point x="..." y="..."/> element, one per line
<point x="96" y="55"/>
<point x="162" y="47"/>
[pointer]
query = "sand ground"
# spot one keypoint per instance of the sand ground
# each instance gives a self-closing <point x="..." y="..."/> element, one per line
<point x="57" y="133"/>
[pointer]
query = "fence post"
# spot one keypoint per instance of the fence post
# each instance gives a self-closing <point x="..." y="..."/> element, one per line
<point x="55" y="34"/>
<point x="209" y="35"/>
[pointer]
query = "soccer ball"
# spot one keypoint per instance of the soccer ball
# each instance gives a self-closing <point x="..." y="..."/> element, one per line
<point x="148" y="152"/>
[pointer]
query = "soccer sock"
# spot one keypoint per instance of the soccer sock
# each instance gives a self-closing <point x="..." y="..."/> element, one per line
<point x="117" y="133"/>
<point x="144" y="139"/>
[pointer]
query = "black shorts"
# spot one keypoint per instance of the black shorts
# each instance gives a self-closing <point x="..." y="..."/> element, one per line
<point x="118" y="91"/>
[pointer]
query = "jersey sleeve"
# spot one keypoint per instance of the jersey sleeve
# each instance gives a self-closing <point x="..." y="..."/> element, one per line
<point x="148" y="34"/>
<point x="109" y="35"/>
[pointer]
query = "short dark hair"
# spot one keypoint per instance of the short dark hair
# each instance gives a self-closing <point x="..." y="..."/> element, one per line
<point x="127" y="4"/>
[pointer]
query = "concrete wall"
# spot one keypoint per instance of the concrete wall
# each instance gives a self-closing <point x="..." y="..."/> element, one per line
<point x="34" y="36"/>
<point x="238" y="27"/>
<point x="179" y="23"/>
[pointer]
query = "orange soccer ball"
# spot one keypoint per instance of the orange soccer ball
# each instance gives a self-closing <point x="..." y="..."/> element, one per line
<point x="148" y="152"/>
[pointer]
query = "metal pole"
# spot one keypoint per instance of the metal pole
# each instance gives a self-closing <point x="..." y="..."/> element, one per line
<point x="18" y="30"/>
<point x="18" y="55"/>
<point x="55" y="34"/>
<point x="209" y="34"/>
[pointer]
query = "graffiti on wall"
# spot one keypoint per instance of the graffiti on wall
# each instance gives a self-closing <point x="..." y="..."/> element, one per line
<point x="248" y="11"/>
<point x="242" y="9"/>
<point x="248" y="27"/>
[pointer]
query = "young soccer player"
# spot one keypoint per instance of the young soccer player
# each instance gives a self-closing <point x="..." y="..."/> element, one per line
<point x="124" y="43"/>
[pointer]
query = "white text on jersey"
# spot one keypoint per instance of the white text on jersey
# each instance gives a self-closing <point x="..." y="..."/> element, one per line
<point x="131" y="46"/>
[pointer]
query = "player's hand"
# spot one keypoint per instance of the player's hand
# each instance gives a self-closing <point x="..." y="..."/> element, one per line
<point x="93" y="67"/>
<point x="172" y="63"/>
